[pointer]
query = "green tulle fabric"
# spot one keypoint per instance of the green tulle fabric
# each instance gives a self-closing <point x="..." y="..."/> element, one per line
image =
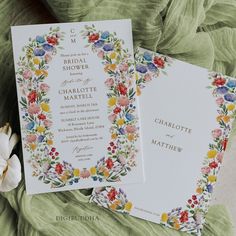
<point x="202" y="32"/>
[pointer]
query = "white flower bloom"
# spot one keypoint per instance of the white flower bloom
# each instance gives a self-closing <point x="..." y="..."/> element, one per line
<point x="10" y="167"/>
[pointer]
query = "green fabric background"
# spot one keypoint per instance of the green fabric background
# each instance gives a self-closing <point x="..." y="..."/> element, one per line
<point x="202" y="32"/>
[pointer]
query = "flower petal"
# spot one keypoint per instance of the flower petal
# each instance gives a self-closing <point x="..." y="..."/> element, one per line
<point x="3" y="166"/>
<point x="12" y="176"/>
<point x="4" y="146"/>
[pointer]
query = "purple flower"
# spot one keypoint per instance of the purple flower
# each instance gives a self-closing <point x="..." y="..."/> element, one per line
<point x="147" y="56"/>
<point x="222" y="90"/>
<point x="99" y="43"/>
<point x="230" y="97"/>
<point x="40" y="39"/>
<point x="108" y="47"/>
<point x="40" y="138"/>
<point x="39" y="52"/>
<point x="141" y="69"/>
<point x="47" y="47"/>
<point x="105" y="35"/>
<point x="129" y="116"/>
<point x="231" y="83"/>
<point x="209" y="188"/>
<point x="152" y="67"/>
<point x="122" y="131"/>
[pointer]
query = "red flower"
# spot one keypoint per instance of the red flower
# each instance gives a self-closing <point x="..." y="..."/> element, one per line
<point x="109" y="163"/>
<point x="112" y="194"/>
<point x="183" y="216"/>
<point x="58" y="168"/>
<point x="122" y="88"/>
<point x="194" y="197"/>
<point x="52" y="40"/>
<point x="224" y="144"/>
<point x="41" y="116"/>
<point x="189" y="201"/>
<point x="32" y="96"/>
<point x="213" y="165"/>
<point x="117" y="110"/>
<point x="219" y="82"/>
<point x="159" y="62"/>
<point x="93" y="37"/>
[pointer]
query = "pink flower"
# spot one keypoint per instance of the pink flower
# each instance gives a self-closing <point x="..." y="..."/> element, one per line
<point x="219" y="101"/>
<point x="130" y="129"/>
<point x="206" y="170"/>
<point x="47" y="123"/>
<point x="216" y="133"/>
<point x="33" y="109"/>
<point x="147" y="77"/>
<point x="219" y="157"/>
<point x="112" y="118"/>
<point x="109" y="82"/>
<point x="123" y="67"/>
<point x="44" y="87"/>
<point x="31" y="138"/>
<point x="123" y="101"/>
<point x="48" y="58"/>
<point x="100" y="54"/>
<point x="27" y="74"/>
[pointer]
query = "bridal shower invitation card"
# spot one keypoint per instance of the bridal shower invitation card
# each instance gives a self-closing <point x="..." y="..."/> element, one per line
<point x="186" y="117"/>
<point x="77" y="105"/>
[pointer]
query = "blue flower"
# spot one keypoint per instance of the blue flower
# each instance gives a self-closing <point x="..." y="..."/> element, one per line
<point x="40" y="39"/>
<point x="100" y="179"/>
<point x="30" y="125"/>
<point x="95" y="178"/>
<point x="231" y="83"/>
<point x="105" y="35"/>
<point x="209" y="188"/>
<point x="47" y="47"/>
<point x="108" y="47"/>
<point x="76" y="180"/>
<point x="40" y="138"/>
<point x="147" y="56"/>
<point x="122" y="131"/>
<point x="39" y="52"/>
<point x="99" y="43"/>
<point x="152" y="67"/>
<point x="230" y="97"/>
<point x="222" y="90"/>
<point x="129" y="116"/>
<point x="142" y="69"/>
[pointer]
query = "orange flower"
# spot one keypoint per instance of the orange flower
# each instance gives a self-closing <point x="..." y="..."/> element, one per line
<point x="138" y="91"/>
<point x="108" y="67"/>
<point x="50" y="142"/>
<point x="114" y="136"/>
<point x="226" y="119"/>
<point x="130" y="137"/>
<point x="113" y="206"/>
<point x="199" y="190"/>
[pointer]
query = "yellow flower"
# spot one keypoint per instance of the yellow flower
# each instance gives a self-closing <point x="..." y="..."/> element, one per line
<point x="120" y="122"/>
<point x="136" y="76"/>
<point x="49" y="142"/>
<point x="138" y="91"/>
<point x="38" y="72"/>
<point x="36" y="61"/>
<point x="93" y="171"/>
<point x="231" y="107"/>
<point x="114" y="136"/>
<point x="176" y="226"/>
<point x="45" y="107"/>
<point x="226" y="119"/>
<point x="64" y="178"/>
<point x="199" y="190"/>
<point x="112" y="101"/>
<point x="111" y="67"/>
<point x="113" y="55"/>
<point x="211" y="153"/>
<point x="76" y="172"/>
<point x="164" y="217"/>
<point x="106" y="173"/>
<point x="113" y="206"/>
<point x="128" y="206"/>
<point x="33" y="146"/>
<point x="130" y="137"/>
<point x="41" y="129"/>
<point x="212" y="178"/>
<point x="219" y="118"/>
